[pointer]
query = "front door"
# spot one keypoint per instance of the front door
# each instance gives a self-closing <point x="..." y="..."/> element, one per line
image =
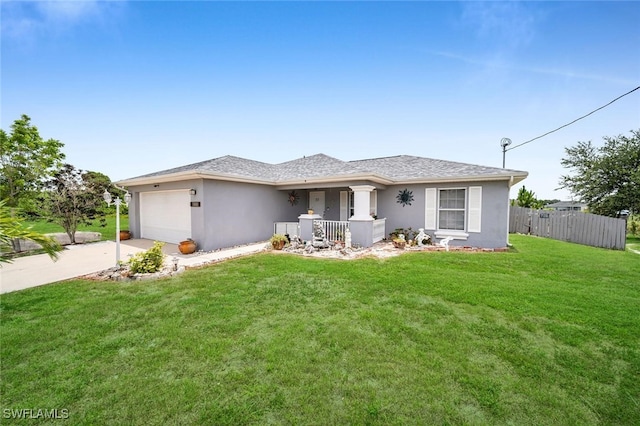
<point x="316" y="202"/>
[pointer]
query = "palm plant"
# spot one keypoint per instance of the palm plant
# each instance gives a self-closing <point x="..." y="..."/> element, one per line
<point x="11" y="228"/>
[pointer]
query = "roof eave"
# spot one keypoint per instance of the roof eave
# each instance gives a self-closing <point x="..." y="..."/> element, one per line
<point x="336" y="178"/>
<point x="513" y="178"/>
<point x="189" y="175"/>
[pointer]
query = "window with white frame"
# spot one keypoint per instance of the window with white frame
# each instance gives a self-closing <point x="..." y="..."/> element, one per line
<point x="451" y="209"/>
<point x="351" y="204"/>
<point x="347" y="203"/>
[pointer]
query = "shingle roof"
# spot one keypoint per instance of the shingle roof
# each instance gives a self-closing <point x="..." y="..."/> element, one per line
<point x="408" y="167"/>
<point x="392" y="169"/>
<point x="561" y="204"/>
<point x="319" y="165"/>
<point x="227" y="165"/>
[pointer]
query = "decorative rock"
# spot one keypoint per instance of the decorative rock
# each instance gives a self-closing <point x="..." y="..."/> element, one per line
<point x="319" y="237"/>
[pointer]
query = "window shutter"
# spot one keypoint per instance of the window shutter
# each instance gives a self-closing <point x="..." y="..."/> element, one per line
<point x="430" y="209"/>
<point x="344" y="205"/>
<point x="475" y="209"/>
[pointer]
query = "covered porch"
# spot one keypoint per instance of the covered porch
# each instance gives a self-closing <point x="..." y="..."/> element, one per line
<point x="358" y="216"/>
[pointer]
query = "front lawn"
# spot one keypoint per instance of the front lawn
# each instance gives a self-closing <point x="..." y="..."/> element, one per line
<point x="546" y="334"/>
<point x="633" y="243"/>
<point x="108" y="231"/>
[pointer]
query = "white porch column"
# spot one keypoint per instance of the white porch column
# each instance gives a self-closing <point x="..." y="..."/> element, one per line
<point x="306" y="225"/>
<point x="362" y="202"/>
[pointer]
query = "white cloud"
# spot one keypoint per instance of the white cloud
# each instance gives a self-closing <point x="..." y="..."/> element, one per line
<point x="558" y="72"/>
<point x="25" y="21"/>
<point x="69" y="11"/>
<point x="510" y="23"/>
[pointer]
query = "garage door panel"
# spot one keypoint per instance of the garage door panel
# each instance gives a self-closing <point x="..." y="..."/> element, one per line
<point x="165" y="216"/>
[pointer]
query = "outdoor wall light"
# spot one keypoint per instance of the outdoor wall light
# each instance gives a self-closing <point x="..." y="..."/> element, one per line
<point x="192" y="191"/>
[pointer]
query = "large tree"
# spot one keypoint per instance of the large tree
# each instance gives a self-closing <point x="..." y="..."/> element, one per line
<point x="607" y="178"/>
<point x="73" y="197"/>
<point x="26" y="161"/>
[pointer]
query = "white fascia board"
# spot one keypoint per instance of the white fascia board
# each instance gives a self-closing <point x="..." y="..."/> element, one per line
<point x="458" y="179"/>
<point x="188" y="175"/>
<point x="335" y="179"/>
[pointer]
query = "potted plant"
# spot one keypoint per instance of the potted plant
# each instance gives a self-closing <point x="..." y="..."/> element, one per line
<point x="310" y="211"/>
<point x="278" y="241"/>
<point x="399" y="241"/>
<point x="187" y="246"/>
<point x="125" y="235"/>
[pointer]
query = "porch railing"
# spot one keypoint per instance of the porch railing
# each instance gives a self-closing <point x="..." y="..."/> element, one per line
<point x="291" y="228"/>
<point x="334" y="230"/>
<point x="379" y="230"/>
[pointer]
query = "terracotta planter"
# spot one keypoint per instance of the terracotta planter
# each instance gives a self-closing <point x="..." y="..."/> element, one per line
<point x="399" y="244"/>
<point x="125" y="235"/>
<point x="278" y="245"/>
<point x="187" y="247"/>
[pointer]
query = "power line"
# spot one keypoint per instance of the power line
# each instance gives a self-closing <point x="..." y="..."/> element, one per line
<point x="568" y="124"/>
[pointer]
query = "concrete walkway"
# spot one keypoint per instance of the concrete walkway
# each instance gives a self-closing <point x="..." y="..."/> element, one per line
<point x="84" y="259"/>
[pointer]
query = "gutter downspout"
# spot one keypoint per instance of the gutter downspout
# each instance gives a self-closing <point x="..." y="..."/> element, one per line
<point x="509" y="209"/>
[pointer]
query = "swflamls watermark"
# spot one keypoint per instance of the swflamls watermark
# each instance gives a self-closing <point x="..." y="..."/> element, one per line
<point x="35" y="413"/>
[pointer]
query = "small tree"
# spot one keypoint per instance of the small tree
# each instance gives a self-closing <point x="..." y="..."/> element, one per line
<point x="71" y="198"/>
<point x="527" y="199"/>
<point x="11" y="228"/>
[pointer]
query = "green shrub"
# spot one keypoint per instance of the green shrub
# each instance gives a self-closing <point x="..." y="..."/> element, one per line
<point x="407" y="232"/>
<point x="148" y="261"/>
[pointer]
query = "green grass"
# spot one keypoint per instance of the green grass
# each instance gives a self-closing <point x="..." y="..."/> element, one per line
<point x="108" y="232"/>
<point x="546" y="334"/>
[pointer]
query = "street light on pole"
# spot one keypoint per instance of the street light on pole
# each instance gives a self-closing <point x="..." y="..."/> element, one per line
<point x="117" y="202"/>
<point x="504" y="143"/>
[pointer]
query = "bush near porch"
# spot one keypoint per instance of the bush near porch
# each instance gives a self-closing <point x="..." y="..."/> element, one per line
<point x="545" y="334"/>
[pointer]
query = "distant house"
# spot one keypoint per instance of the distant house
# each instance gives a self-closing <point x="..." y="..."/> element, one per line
<point x="567" y="206"/>
<point x="229" y="200"/>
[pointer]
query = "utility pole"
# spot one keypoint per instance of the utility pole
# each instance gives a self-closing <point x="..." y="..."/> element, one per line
<point x="504" y="143"/>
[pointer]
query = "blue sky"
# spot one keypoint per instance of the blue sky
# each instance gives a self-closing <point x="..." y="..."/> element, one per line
<point x="136" y="87"/>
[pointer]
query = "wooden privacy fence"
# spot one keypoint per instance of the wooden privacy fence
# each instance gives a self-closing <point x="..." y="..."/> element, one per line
<point x="576" y="227"/>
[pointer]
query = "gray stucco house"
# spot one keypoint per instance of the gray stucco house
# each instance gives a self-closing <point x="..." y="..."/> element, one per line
<point x="229" y="200"/>
<point x="567" y="206"/>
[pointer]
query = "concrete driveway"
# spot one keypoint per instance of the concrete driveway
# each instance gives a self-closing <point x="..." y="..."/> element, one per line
<point x="84" y="259"/>
<point x="74" y="260"/>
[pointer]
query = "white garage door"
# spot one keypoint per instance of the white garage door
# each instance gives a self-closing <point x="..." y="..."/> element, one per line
<point x="165" y="215"/>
